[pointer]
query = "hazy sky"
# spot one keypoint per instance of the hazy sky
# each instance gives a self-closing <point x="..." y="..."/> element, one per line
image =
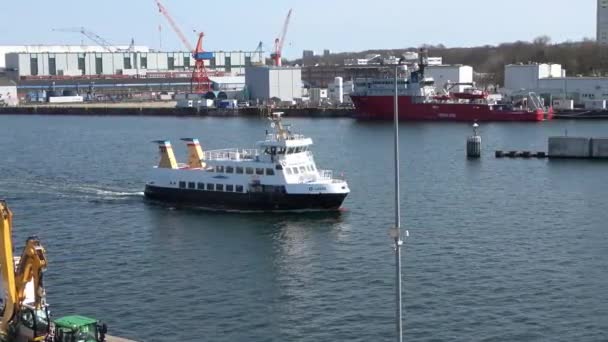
<point x="339" y="25"/>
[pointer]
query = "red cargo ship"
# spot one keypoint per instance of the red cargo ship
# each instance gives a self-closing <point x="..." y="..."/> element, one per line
<point x="420" y="100"/>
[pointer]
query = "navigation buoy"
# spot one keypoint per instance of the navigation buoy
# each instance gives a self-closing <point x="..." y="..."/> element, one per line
<point x="474" y="144"/>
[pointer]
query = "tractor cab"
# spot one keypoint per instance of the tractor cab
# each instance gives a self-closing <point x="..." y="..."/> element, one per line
<point x="79" y="329"/>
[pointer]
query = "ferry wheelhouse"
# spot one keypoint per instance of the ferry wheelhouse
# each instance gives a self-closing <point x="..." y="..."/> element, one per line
<point x="279" y="174"/>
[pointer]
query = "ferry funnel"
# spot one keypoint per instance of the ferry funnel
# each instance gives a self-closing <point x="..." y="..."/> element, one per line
<point x="167" y="158"/>
<point x="195" y="153"/>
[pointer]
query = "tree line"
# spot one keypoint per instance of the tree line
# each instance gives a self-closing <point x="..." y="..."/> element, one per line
<point x="582" y="58"/>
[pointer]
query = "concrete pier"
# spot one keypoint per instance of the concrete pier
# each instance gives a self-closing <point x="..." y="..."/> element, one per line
<point x="569" y="147"/>
<point x="599" y="147"/>
<point x="578" y="147"/>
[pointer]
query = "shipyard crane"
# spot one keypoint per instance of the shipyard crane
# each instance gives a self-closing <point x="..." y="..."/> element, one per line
<point x="200" y="82"/>
<point x="278" y="43"/>
<point x="259" y="51"/>
<point x="92" y="36"/>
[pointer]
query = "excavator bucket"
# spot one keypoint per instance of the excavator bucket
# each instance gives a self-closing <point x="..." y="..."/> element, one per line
<point x="167" y="157"/>
<point x="195" y="153"/>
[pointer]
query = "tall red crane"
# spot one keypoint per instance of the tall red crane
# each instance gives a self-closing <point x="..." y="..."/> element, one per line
<point x="278" y="43"/>
<point x="200" y="82"/>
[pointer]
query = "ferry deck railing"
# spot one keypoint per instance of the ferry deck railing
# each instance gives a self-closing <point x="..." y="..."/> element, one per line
<point x="328" y="175"/>
<point x="232" y="154"/>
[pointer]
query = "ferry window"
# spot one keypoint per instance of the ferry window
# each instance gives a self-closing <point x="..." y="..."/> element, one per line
<point x="312" y="167"/>
<point x="229" y="169"/>
<point x="295" y="170"/>
<point x="219" y="168"/>
<point x="308" y="167"/>
<point x="290" y="150"/>
<point x="302" y="169"/>
<point x="210" y="169"/>
<point x="182" y="185"/>
<point x="219" y="187"/>
<point x="279" y="167"/>
<point x="288" y="171"/>
<point x="249" y="170"/>
<point x="239" y="188"/>
<point x="297" y="150"/>
<point x="269" y="172"/>
<point x="239" y="170"/>
<point x="191" y="185"/>
<point x="281" y="150"/>
<point x="259" y="171"/>
<point x="201" y="186"/>
<point x="230" y="187"/>
<point x="210" y="186"/>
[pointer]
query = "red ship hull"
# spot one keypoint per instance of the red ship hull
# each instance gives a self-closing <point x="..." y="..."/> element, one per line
<point x="382" y="108"/>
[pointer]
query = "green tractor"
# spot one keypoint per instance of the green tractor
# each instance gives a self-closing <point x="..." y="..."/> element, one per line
<point x="79" y="329"/>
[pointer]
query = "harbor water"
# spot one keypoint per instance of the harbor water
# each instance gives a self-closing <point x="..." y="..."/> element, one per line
<point x="499" y="249"/>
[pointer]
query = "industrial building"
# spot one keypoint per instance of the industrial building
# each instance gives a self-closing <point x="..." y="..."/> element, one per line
<point x="602" y="21"/>
<point x="131" y="64"/>
<point x="551" y="82"/>
<point x="444" y="74"/>
<point x="6" y="49"/>
<point x="269" y="82"/>
<point x="528" y="76"/>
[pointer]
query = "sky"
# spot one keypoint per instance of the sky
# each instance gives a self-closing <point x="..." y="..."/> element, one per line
<point x="338" y="25"/>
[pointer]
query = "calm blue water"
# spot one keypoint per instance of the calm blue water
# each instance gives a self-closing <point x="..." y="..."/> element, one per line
<point x="499" y="250"/>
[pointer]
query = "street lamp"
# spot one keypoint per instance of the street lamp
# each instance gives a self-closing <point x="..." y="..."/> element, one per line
<point x="395" y="232"/>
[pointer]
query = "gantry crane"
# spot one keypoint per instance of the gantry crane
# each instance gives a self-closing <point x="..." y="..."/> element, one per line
<point x="200" y="82"/>
<point x="278" y="43"/>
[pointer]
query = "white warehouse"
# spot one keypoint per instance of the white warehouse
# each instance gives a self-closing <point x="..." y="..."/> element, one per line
<point x="6" y="49"/>
<point x="550" y="81"/>
<point x="267" y="82"/>
<point x="49" y="64"/>
<point x="527" y="76"/>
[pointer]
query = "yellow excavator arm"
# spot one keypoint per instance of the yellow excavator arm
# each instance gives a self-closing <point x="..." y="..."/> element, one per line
<point x="7" y="266"/>
<point x="31" y="267"/>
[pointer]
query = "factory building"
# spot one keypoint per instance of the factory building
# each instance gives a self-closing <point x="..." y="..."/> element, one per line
<point x="550" y="81"/>
<point x="268" y="82"/>
<point x="22" y="65"/>
<point x="444" y="74"/>
<point x="602" y="21"/>
<point x="6" y="49"/>
<point x="528" y="76"/>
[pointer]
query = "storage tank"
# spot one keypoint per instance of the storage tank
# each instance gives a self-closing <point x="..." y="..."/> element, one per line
<point x="339" y="84"/>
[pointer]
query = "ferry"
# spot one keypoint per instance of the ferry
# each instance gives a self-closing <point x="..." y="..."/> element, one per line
<point x="279" y="174"/>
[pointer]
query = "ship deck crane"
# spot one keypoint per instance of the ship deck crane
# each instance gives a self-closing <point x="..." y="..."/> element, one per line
<point x="200" y="82"/>
<point x="278" y="42"/>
